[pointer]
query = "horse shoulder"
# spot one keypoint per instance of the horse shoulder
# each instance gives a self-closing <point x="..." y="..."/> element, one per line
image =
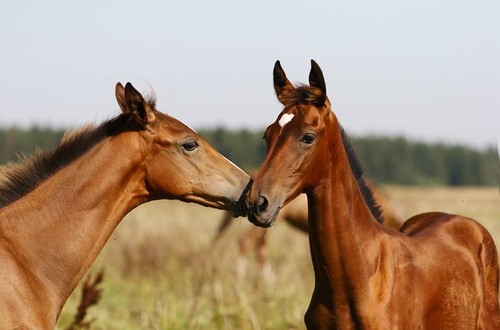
<point x="15" y="301"/>
<point x="22" y="303"/>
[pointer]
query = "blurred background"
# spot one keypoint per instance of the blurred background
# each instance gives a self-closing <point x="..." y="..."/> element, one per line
<point x="426" y="70"/>
<point x="415" y="85"/>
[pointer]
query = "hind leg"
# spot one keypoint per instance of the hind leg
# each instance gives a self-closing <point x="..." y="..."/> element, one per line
<point x="489" y="317"/>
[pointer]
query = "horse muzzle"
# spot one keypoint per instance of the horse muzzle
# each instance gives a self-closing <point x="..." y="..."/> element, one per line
<point x="260" y="211"/>
<point x="240" y="209"/>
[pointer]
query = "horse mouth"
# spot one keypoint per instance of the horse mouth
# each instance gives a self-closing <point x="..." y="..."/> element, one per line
<point x="240" y="208"/>
<point x="264" y="221"/>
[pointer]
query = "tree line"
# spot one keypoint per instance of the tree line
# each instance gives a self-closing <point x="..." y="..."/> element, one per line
<point x="395" y="160"/>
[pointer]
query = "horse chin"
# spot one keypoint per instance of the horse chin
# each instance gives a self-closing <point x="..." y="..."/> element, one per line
<point x="213" y="203"/>
<point x="238" y="210"/>
<point x="229" y="205"/>
<point x="264" y="221"/>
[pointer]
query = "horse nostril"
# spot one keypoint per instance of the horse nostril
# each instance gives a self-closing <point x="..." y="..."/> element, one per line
<point x="262" y="204"/>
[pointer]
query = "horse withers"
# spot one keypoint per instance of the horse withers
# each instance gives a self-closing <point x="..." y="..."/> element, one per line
<point x="58" y="209"/>
<point x="440" y="271"/>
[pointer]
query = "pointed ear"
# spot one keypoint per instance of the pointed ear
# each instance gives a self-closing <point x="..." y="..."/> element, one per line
<point x="282" y="85"/>
<point x="317" y="80"/>
<point x="137" y="106"/>
<point x="120" y="97"/>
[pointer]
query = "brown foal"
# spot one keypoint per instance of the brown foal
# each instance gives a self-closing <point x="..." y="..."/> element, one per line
<point x="58" y="209"/>
<point x="295" y="214"/>
<point x="440" y="271"/>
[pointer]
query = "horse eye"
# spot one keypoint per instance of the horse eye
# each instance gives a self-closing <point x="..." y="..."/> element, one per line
<point x="308" y="138"/>
<point x="190" y="145"/>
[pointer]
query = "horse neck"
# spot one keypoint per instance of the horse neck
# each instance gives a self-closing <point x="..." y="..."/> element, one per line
<point x="343" y="232"/>
<point x="59" y="228"/>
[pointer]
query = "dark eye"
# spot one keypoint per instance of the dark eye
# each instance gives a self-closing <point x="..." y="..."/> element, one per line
<point x="190" y="145"/>
<point x="308" y="138"/>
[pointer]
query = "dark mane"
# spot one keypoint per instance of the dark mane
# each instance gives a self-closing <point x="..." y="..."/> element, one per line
<point x="18" y="179"/>
<point x="357" y="170"/>
<point x="305" y="94"/>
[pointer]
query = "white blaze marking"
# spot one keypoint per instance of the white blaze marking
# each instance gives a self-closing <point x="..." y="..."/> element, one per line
<point x="285" y="119"/>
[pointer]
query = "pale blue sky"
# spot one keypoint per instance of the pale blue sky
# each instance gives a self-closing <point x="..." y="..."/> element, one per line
<point x="427" y="69"/>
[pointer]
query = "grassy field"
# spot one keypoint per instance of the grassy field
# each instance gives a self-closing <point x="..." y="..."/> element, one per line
<point x="163" y="271"/>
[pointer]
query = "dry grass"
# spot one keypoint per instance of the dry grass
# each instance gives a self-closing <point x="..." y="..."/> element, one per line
<point x="163" y="272"/>
<point x="482" y="204"/>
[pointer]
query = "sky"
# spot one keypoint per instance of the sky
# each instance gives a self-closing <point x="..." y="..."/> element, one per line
<point x="428" y="69"/>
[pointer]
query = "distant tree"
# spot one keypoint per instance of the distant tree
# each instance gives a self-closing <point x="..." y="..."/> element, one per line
<point x="15" y="142"/>
<point x="386" y="159"/>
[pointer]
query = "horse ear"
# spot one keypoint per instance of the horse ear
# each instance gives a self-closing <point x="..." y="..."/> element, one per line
<point x="316" y="79"/>
<point x="281" y="83"/>
<point x="137" y="106"/>
<point x="120" y="97"/>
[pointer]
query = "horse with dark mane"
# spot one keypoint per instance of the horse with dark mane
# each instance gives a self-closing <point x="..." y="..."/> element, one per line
<point x="58" y="209"/>
<point x="295" y="214"/>
<point x="440" y="271"/>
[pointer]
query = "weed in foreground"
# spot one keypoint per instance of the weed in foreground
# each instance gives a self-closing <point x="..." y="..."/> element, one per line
<point x="91" y="294"/>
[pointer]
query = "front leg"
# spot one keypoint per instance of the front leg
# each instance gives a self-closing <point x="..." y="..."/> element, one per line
<point x="319" y="316"/>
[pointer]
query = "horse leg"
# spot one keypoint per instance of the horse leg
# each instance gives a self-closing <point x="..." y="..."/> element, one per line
<point x="223" y="226"/>
<point x="265" y="265"/>
<point x="318" y="316"/>
<point x="489" y="317"/>
<point x="245" y="243"/>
